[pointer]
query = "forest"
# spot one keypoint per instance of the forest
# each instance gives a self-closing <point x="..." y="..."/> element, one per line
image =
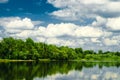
<point x="18" y="49"/>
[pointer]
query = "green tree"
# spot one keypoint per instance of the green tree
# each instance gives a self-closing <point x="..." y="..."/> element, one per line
<point x="100" y="52"/>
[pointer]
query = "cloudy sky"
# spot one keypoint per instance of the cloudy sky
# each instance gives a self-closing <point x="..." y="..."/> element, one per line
<point x="90" y="24"/>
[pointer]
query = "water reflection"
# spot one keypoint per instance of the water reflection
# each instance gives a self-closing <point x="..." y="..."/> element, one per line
<point x="59" y="71"/>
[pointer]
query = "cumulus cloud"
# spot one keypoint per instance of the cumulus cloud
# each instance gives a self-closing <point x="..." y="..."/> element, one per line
<point x="16" y="23"/>
<point x="71" y="30"/>
<point x="79" y="9"/>
<point x="113" y="23"/>
<point x="63" y="42"/>
<point x="56" y="30"/>
<point x="100" y="21"/>
<point x="68" y="14"/>
<point x="95" y="40"/>
<point x="25" y="33"/>
<point x="67" y="29"/>
<point x="117" y="37"/>
<point x="94" y="2"/>
<point x="65" y="34"/>
<point x="105" y="15"/>
<point x="87" y="31"/>
<point x="110" y="42"/>
<point x="62" y="34"/>
<point x="20" y="24"/>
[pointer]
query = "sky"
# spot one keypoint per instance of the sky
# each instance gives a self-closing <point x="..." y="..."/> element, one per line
<point x="90" y="24"/>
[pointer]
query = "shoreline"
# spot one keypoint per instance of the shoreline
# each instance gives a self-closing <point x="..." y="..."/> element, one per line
<point x="8" y="60"/>
<point x="48" y="60"/>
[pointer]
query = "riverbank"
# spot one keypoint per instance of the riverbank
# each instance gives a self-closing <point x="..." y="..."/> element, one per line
<point x="8" y="60"/>
<point x="48" y="60"/>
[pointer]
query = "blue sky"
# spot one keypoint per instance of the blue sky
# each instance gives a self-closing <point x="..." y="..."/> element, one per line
<point x="34" y="9"/>
<point x="93" y="24"/>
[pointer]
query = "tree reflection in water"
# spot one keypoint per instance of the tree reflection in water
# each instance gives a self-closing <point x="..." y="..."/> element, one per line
<point x="46" y="70"/>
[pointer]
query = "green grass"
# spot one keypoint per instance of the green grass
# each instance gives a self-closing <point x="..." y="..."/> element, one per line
<point x="81" y="60"/>
<point x="10" y="60"/>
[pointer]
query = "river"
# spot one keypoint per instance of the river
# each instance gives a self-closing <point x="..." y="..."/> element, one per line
<point x="60" y="70"/>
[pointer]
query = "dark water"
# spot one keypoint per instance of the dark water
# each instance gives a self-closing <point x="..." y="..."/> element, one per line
<point x="59" y="71"/>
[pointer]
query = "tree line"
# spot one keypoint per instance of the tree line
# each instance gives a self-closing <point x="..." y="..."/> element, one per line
<point x="11" y="48"/>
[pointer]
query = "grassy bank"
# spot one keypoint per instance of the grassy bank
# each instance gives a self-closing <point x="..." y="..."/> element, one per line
<point x="82" y="60"/>
<point x="8" y="60"/>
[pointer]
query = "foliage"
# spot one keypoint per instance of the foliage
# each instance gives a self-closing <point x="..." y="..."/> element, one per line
<point x="11" y="48"/>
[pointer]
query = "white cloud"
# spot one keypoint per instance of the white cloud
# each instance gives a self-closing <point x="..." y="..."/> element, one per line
<point x="110" y="42"/>
<point x="100" y="21"/>
<point x="62" y="34"/>
<point x="36" y="23"/>
<point x="78" y="9"/>
<point x="87" y="31"/>
<point x="17" y="24"/>
<point x="56" y="30"/>
<point x="95" y="40"/>
<point x="63" y="42"/>
<point x="116" y="37"/>
<point x="60" y="42"/>
<point x="69" y="29"/>
<point x="13" y="31"/>
<point x="107" y="34"/>
<point x="113" y="23"/>
<point x="20" y="24"/>
<point x="109" y="23"/>
<point x="3" y="1"/>
<point x="94" y="2"/>
<point x="5" y="20"/>
<point x="40" y="39"/>
<point x="25" y="33"/>
<point x="113" y="7"/>
<point x="68" y="14"/>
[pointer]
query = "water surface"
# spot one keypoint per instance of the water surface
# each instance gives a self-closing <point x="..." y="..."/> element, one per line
<point x="60" y="71"/>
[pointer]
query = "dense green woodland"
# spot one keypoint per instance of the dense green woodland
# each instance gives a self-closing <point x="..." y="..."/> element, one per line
<point x="16" y="49"/>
